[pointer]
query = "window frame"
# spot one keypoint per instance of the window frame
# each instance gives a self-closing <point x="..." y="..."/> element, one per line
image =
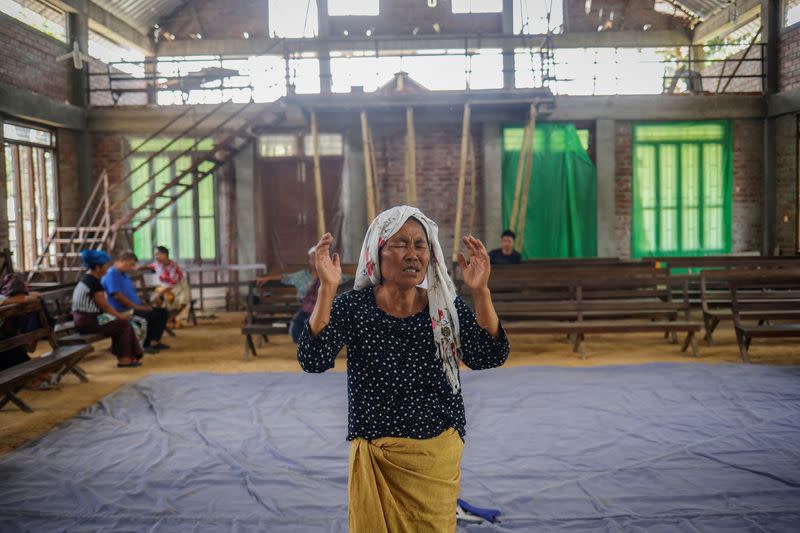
<point x="727" y="145"/>
<point x="172" y="212"/>
<point x="40" y="218"/>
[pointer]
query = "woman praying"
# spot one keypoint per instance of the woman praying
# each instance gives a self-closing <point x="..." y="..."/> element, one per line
<point x="405" y="339"/>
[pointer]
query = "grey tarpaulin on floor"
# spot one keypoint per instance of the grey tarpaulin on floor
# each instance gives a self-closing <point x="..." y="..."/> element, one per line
<point x="661" y="447"/>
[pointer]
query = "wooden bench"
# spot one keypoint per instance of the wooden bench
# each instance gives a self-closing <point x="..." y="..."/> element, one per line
<point x="759" y="299"/>
<point x="692" y="267"/>
<point x="268" y="305"/>
<point x="62" y="359"/>
<point x="640" y="303"/>
<point x="717" y="299"/>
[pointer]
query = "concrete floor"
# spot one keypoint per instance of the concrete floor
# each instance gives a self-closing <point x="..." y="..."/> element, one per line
<point x="217" y="346"/>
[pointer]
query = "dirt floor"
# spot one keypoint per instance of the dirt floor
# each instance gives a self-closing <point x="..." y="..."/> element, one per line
<point x="217" y="346"/>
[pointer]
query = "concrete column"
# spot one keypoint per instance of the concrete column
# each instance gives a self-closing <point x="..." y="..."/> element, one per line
<point x="508" y="51"/>
<point x="605" y="151"/>
<point x="354" y="207"/>
<point x="78" y="30"/>
<point x="245" y="193"/>
<point x="324" y="51"/>
<point x="770" y="23"/>
<point x="492" y="184"/>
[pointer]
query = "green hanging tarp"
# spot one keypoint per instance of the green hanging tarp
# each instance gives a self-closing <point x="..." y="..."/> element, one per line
<point x="561" y="218"/>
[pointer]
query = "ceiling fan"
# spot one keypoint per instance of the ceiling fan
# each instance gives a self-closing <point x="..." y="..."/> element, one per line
<point x="77" y="56"/>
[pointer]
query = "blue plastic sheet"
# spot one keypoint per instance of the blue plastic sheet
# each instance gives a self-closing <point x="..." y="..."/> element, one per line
<point x="661" y="447"/>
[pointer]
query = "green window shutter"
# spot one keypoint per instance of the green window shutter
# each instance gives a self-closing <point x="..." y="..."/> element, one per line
<point x="681" y="189"/>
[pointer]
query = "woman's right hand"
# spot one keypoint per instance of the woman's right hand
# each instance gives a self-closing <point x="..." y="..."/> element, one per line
<point x="329" y="269"/>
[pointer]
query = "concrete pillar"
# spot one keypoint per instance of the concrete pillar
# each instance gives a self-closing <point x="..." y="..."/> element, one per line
<point x="245" y="192"/>
<point x="605" y="150"/>
<point x="78" y="30"/>
<point x="354" y="207"/>
<point x="770" y="23"/>
<point x="508" y="51"/>
<point x="492" y="184"/>
<point x="324" y="51"/>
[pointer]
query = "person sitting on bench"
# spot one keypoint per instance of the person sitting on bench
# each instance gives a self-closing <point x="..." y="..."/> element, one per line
<point x="506" y="255"/>
<point x="122" y="297"/>
<point x="15" y="291"/>
<point x="174" y="293"/>
<point x="89" y="302"/>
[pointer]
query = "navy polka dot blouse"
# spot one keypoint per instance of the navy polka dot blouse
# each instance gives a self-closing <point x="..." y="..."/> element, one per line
<point x="395" y="382"/>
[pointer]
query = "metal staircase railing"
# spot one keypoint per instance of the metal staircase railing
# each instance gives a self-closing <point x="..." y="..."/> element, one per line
<point x="101" y="221"/>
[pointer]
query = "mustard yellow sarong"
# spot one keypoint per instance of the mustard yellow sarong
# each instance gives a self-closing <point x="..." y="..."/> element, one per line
<point x="400" y="485"/>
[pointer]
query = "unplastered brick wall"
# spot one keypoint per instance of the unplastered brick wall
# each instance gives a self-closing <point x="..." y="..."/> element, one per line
<point x="787" y="172"/>
<point x="107" y="150"/>
<point x="218" y="20"/>
<point x="402" y="17"/>
<point x="618" y="15"/>
<point x="789" y="59"/>
<point x="732" y="76"/>
<point x="438" y="160"/>
<point x="69" y="202"/>
<point x="748" y="167"/>
<point x="622" y="188"/>
<point x="746" y="210"/>
<point x="28" y="60"/>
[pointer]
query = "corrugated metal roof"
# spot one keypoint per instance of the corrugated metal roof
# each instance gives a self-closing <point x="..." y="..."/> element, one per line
<point x="702" y="9"/>
<point x="140" y="13"/>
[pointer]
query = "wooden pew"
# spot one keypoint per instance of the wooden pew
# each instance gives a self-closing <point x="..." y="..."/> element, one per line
<point x="62" y="359"/>
<point x="268" y="305"/>
<point x="610" y="303"/>
<point x="272" y="305"/>
<point x="758" y="298"/>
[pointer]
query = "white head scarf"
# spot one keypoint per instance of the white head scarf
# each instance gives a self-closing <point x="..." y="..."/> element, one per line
<point x="441" y="290"/>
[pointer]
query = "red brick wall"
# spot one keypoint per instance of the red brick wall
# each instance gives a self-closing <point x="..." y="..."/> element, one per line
<point x="748" y="161"/>
<point x="107" y="149"/>
<point x="787" y="172"/>
<point x="219" y="20"/>
<point x="438" y="160"/>
<point x="789" y="60"/>
<point x="747" y="170"/>
<point x="622" y="188"/>
<point x="69" y="203"/>
<point x="402" y="17"/>
<point x="29" y="60"/>
<point x="618" y="15"/>
<point x="739" y="84"/>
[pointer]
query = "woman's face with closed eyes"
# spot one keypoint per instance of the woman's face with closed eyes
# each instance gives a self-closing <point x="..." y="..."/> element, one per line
<point x="405" y="256"/>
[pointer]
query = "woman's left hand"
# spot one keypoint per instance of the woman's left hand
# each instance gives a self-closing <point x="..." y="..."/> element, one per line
<point x="476" y="272"/>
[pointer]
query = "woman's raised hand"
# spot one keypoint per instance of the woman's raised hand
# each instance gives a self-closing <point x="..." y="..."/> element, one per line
<point x="329" y="269"/>
<point x="476" y="272"/>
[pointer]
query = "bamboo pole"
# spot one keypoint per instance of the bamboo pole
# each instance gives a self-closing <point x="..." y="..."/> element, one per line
<point x="526" y="191"/>
<point x="461" y="176"/>
<point x="523" y="151"/>
<point x="317" y="175"/>
<point x="411" y="158"/>
<point x="368" y="168"/>
<point x="375" y="181"/>
<point x="473" y="192"/>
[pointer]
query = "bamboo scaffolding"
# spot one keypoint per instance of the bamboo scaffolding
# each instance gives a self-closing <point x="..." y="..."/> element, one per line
<point x="365" y="135"/>
<point x="461" y="177"/>
<point x="317" y="175"/>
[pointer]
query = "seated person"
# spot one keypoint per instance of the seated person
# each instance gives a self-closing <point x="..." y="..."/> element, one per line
<point x="306" y="283"/>
<point x="15" y="291"/>
<point x="123" y="298"/>
<point x="89" y="302"/>
<point x="506" y="255"/>
<point x="173" y="293"/>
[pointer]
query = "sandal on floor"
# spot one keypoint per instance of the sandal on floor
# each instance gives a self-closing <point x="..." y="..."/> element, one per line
<point x="131" y="364"/>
